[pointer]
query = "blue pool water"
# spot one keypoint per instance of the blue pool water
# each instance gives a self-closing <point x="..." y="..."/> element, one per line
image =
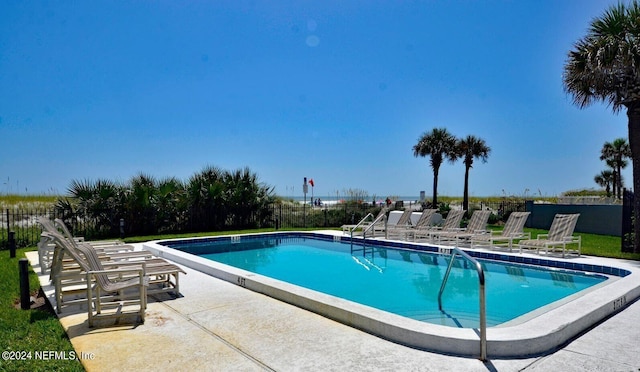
<point x="404" y="282"/>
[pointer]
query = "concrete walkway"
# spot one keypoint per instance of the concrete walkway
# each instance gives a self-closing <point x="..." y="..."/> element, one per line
<point x="218" y="326"/>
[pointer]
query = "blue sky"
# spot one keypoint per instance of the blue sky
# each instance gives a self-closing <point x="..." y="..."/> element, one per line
<point x="337" y="91"/>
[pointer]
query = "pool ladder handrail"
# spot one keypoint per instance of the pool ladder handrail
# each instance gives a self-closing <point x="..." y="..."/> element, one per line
<point x="354" y="228"/>
<point x="481" y="282"/>
<point x="373" y="225"/>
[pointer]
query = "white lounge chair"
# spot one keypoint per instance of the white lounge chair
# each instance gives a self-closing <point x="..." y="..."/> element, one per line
<point x="477" y="226"/>
<point x="559" y="236"/>
<point x="419" y="221"/>
<point x="398" y="228"/>
<point x="513" y="230"/>
<point x="426" y="219"/>
<point x="451" y="223"/>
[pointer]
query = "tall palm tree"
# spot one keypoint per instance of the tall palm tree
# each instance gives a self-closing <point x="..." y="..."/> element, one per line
<point x="616" y="153"/>
<point x="438" y="144"/>
<point x="469" y="148"/>
<point x="603" y="66"/>
<point x="615" y="176"/>
<point x="605" y="179"/>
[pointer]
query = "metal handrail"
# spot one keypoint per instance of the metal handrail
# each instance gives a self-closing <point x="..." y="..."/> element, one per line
<point x="373" y="224"/>
<point x="360" y="223"/>
<point x="481" y="283"/>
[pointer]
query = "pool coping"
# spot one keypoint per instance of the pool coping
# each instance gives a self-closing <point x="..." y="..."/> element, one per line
<point x="542" y="334"/>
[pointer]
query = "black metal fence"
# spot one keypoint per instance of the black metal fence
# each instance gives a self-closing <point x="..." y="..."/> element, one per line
<point x="23" y="222"/>
<point x="281" y="216"/>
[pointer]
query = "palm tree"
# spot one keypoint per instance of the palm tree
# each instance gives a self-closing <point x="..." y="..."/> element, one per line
<point x="206" y="199"/>
<point x="171" y="204"/>
<point x="140" y="205"/>
<point x="437" y="144"/>
<point x="614" y="175"/>
<point x="615" y="154"/>
<point x="97" y="202"/>
<point x="605" y="179"/>
<point x="246" y="198"/>
<point x="469" y="148"/>
<point x="603" y="66"/>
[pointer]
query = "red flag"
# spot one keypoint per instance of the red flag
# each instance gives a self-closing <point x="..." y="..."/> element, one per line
<point x="311" y="182"/>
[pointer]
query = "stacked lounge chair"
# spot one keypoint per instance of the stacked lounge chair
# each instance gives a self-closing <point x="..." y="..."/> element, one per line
<point x="68" y="274"/>
<point x="117" y="288"/>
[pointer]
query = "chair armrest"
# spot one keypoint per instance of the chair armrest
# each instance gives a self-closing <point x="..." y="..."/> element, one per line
<point x="141" y="270"/>
<point x="573" y="239"/>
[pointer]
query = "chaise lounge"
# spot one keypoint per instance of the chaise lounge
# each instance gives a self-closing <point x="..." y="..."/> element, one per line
<point x="513" y="229"/>
<point x="560" y="235"/>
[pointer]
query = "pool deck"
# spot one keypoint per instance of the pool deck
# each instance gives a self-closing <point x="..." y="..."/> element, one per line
<point x="216" y="325"/>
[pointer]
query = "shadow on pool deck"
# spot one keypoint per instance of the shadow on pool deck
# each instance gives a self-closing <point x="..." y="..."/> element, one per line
<point x="220" y="326"/>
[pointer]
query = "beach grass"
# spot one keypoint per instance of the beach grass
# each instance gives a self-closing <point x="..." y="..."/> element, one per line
<point x="24" y="200"/>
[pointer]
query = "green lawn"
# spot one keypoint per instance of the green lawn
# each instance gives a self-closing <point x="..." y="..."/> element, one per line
<point x="28" y="331"/>
<point x="597" y="245"/>
<point x="39" y="330"/>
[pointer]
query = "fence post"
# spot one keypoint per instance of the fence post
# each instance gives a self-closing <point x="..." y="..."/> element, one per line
<point x="25" y="301"/>
<point x="326" y="222"/>
<point x="12" y="244"/>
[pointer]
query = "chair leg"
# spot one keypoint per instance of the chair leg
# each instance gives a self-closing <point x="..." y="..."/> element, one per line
<point x="90" y="301"/>
<point x="58" y="295"/>
<point x="143" y="299"/>
<point x="98" y="302"/>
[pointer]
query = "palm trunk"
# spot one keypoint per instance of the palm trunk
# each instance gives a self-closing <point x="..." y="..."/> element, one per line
<point x="465" y="199"/>
<point x="619" y="182"/>
<point x="435" y="187"/>
<point x="633" y="113"/>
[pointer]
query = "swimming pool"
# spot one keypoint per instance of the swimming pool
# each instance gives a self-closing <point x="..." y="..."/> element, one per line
<point x="403" y="282"/>
<point x="527" y="332"/>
